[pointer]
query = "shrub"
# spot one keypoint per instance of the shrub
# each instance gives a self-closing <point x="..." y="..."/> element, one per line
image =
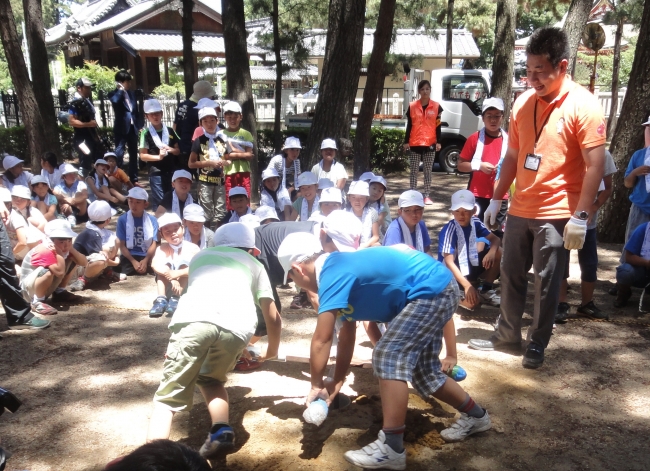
<point x="169" y="91"/>
<point x="102" y="77"/>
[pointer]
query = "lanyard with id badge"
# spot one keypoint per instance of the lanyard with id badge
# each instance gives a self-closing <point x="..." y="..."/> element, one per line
<point x="533" y="160"/>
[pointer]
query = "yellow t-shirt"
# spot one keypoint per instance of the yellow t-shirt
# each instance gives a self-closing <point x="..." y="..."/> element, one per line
<point x="238" y="165"/>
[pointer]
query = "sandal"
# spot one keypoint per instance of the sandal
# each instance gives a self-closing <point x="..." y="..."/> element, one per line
<point x="43" y="309"/>
<point x="247" y="365"/>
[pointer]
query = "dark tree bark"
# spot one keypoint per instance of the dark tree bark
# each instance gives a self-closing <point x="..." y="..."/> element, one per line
<point x="450" y="33"/>
<point x="504" y="56"/>
<point x="374" y="85"/>
<point x="36" y="142"/>
<point x="238" y="75"/>
<point x="277" y="136"/>
<point x="188" y="53"/>
<point x="41" y="84"/>
<point x="340" y="77"/>
<point x="616" y="66"/>
<point x="628" y="136"/>
<point x="573" y="26"/>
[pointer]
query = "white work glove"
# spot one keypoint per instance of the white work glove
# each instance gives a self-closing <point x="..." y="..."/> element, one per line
<point x="574" y="233"/>
<point x="491" y="213"/>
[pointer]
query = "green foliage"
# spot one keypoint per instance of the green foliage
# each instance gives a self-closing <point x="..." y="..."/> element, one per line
<point x="168" y="91"/>
<point x="605" y="67"/>
<point x="103" y="77"/>
<point x="535" y="14"/>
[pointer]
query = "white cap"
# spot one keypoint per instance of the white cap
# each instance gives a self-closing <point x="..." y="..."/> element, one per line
<point x="410" y="198"/>
<point x="292" y="143"/>
<point x="21" y="191"/>
<point x="463" y="199"/>
<point x="207" y="103"/>
<point x="328" y="144"/>
<point x="250" y="220"/>
<point x="307" y="178"/>
<point x="181" y="174"/>
<point x="378" y="179"/>
<point x="236" y="234"/>
<point x="36" y="179"/>
<point x="493" y="102"/>
<point x="11" y="161"/>
<point x="266" y="212"/>
<point x="647" y="123"/>
<point x="5" y="194"/>
<point x="270" y="173"/>
<point x="366" y="176"/>
<point x="138" y="193"/>
<point x="59" y="229"/>
<point x="166" y="219"/>
<point x="83" y="82"/>
<point x="99" y="211"/>
<point x="344" y="228"/>
<point x="203" y="112"/>
<point x="67" y="168"/>
<point x="110" y="154"/>
<point x="296" y="248"/>
<point x="193" y="212"/>
<point x="325" y="183"/>
<point x="152" y="106"/>
<point x="101" y="162"/>
<point x="237" y="190"/>
<point x="359" y="188"/>
<point x="232" y="106"/>
<point x="331" y="195"/>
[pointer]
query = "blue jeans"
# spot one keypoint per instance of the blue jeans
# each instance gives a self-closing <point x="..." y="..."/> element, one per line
<point x="631" y="275"/>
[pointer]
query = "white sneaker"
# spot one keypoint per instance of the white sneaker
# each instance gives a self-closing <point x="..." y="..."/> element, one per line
<point x="490" y="298"/>
<point x="466" y="426"/>
<point x="377" y="455"/>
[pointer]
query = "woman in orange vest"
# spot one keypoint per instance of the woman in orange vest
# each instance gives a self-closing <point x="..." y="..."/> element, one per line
<point x="422" y="136"/>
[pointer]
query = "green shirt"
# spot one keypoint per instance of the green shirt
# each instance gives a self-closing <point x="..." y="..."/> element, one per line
<point x="238" y="165"/>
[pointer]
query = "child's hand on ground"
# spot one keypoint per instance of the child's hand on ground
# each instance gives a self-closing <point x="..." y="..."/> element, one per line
<point x="448" y="363"/>
<point x="471" y="295"/>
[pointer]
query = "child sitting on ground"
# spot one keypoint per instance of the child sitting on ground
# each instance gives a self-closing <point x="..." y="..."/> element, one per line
<point x="72" y="194"/>
<point x="273" y="195"/>
<point x="330" y="200"/>
<point x="358" y="194"/>
<point x="43" y="199"/>
<point x="409" y="228"/>
<point x="467" y="256"/>
<point x="239" y="203"/>
<point x="99" y="246"/>
<point x="136" y="234"/>
<point x="240" y="145"/>
<point x="25" y="224"/>
<point x="50" y="169"/>
<point x="171" y="264"/>
<point x="307" y="202"/>
<point x="99" y="187"/>
<point x="208" y="337"/>
<point x="195" y="230"/>
<point x="117" y="178"/>
<point x="323" y="184"/>
<point x="175" y="200"/>
<point x="634" y="271"/>
<point x="266" y="215"/>
<point x="287" y="163"/>
<point x="14" y="173"/>
<point x="48" y="266"/>
<point x="377" y="201"/>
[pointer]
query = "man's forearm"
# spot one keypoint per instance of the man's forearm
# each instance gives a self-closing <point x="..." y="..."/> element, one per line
<point x="508" y="174"/>
<point x="590" y="185"/>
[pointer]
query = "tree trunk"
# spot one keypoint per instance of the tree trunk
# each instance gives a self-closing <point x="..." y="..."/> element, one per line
<point x="340" y="77"/>
<point x="573" y="26"/>
<point x="504" y="65"/>
<point x="36" y="142"/>
<point x="380" y="99"/>
<point x="616" y="65"/>
<point x="41" y="84"/>
<point x="450" y="33"/>
<point x="374" y="85"/>
<point x="188" y="54"/>
<point x="277" y="136"/>
<point x="238" y="75"/>
<point x="628" y="136"/>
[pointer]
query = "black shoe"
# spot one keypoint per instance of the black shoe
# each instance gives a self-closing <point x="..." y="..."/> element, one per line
<point x="624" y="295"/>
<point x="494" y="344"/>
<point x="590" y="310"/>
<point x="534" y="357"/>
<point x="9" y="401"/>
<point x="613" y="291"/>
<point x="562" y="313"/>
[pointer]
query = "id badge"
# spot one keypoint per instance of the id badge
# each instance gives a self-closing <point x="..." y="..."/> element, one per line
<point x="532" y="162"/>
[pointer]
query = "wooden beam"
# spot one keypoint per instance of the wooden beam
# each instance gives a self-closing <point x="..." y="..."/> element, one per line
<point x="166" y="62"/>
<point x="144" y="80"/>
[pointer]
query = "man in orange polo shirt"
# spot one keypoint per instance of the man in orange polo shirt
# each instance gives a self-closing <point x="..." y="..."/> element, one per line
<point x="556" y="153"/>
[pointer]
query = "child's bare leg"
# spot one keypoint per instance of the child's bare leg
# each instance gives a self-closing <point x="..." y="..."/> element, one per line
<point x="93" y="269"/>
<point x="160" y="424"/>
<point x="216" y="397"/>
<point x="114" y="183"/>
<point x="42" y="284"/>
<point x="374" y="334"/>
<point x="163" y="286"/>
<point x="66" y="209"/>
<point x="116" y="194"/>
<point x="82" y="207"/>
<point x="451" y="393"/>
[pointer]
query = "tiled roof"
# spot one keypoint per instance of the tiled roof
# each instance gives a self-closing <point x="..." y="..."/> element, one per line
<point x="122" y="18"/>
<point x="85" y="14"/>
<point x="204" y="43"/>
<point x="267" y="73"/>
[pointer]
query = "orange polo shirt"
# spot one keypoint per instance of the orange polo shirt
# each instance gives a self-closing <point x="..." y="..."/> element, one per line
<point x="575" y="122"/>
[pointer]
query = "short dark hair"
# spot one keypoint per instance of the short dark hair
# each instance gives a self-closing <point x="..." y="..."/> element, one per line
<point x="550" y="42"/>
<point x="123" y="76"/>
<point x="423" y="83"/>
<point x="50" y="158"/>
<point x="161" y="455"/>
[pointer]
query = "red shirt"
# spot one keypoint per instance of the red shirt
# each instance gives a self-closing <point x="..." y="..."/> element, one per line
<point x="481" y="184"/>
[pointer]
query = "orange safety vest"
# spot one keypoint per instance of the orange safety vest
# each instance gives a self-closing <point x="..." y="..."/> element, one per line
<point x="423" y="123"/>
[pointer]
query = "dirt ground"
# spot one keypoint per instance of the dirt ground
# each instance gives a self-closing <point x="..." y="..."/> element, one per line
<point x="87" y="384"/>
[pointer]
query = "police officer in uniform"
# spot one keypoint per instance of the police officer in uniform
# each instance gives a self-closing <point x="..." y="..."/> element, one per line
<point x="86" y="139"/>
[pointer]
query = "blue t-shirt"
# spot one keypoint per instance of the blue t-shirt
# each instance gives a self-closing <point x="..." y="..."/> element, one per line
<point x="635" y="242"/>
<point x="375" y="284"/>
<point x="639" y="196"/>
<point x="140" y="245"/>
<point x="448" y="240"/>
<point x="394" y="235"/>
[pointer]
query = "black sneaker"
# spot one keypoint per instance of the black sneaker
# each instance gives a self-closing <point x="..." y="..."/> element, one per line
<point x="590" y="310"/>
<point x="159" y="306"/>
<point x="562" y="313"/>
<point x="534" y="356"/>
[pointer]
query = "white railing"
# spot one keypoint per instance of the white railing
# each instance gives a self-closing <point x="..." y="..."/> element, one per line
<point x="605" y="99"/>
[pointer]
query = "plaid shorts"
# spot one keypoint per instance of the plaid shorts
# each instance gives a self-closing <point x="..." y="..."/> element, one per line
<point x="409" y="349"/>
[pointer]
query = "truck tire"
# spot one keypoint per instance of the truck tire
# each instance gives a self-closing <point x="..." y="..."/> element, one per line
<point x="448" y="157"/>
